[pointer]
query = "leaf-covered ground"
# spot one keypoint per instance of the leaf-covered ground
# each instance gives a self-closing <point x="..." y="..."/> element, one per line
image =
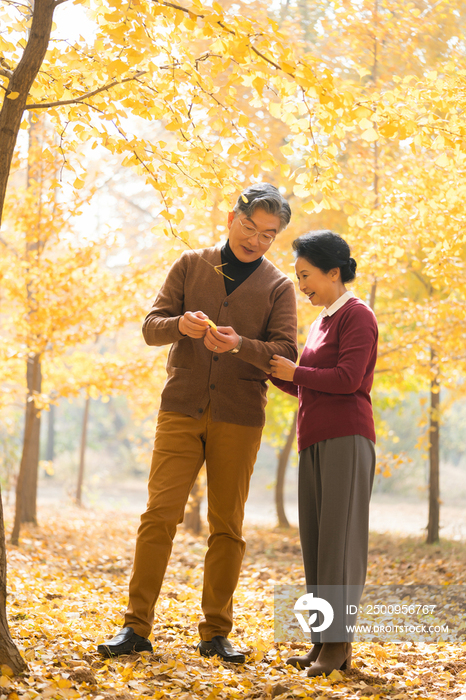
<point x="67" y="592"/>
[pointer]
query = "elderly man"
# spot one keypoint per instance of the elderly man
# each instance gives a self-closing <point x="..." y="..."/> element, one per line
<point x="223" y="329"/>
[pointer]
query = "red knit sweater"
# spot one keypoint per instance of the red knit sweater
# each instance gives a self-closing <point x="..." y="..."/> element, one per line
<point x="335" y="375"/>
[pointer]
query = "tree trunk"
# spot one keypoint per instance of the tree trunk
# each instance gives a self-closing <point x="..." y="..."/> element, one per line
<point x="375" y="180"/>
<point x="31" y="451"/>
<point x="21" y="80"/>
<point x="50" y="447"/>
<point x="26" y="486"/>
<point x="82" y="454"/>
<point x="192" y="516"/>
<point x="9" y="653"/>
<point x="283" y="458"/>
<point x="434" y="458"/>
<point x="11" y="114"/>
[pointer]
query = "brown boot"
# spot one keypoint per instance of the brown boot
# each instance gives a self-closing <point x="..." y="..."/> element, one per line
<point x="335" y="655"/>
<point x="305" y="660"/>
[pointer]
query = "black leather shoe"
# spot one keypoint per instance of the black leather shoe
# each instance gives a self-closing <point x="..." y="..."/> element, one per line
<point x="220" y="646"/>
<point x="125" y="642"/>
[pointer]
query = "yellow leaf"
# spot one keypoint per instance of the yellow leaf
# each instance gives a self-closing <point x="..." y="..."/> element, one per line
<point x="301" y="140"/>
<point x="366" y="124"/>
<point x="442" y="160"/>
<point x="13" y="95"/>
<point x="287" y="67"/>
<point x="335" y="676"/>
<point x="6" y="671"/>
<point x="370" y="135"/>
<point x="268" y="165"/>
<point x="234" y="149"/>
<point x="388" y="129"/>
<point x="308" y="207"/>
<point x="380" y="652"/>
<point x="363" y="71"/>
<point x="287" y="150"/>
<point x="348" y="98"/>
<point x="361" y="112"/>
<point x="167" y="215"/>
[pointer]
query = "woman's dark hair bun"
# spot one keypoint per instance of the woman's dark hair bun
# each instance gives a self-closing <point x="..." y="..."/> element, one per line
<point x="348" y="270"/>
<point x="325" y="249"/>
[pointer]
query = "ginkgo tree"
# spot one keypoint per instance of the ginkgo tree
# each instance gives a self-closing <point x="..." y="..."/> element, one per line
<point x="139" y="63"/>
<point x="58" y="293"/>
<point x="406" y="224"/>
<point x="403" y="168"/>
<point x="419" y="256"/>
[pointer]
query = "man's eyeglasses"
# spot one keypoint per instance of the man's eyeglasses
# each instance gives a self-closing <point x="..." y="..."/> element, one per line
<point x="249" y="231"/>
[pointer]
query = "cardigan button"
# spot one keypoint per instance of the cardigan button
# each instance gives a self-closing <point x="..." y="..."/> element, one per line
<point x="225" y="303"/>
<point x="212" y="386"/>
<point x="200" y="410"/>
<point x="215" y="358"/>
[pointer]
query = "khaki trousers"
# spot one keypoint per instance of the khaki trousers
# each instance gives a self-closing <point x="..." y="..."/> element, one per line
<point x="181" y="446"/>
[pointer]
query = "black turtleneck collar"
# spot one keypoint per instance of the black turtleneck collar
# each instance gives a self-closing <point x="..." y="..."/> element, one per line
<point x="234" y="268"/>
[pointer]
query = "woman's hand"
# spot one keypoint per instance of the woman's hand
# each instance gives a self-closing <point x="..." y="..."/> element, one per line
<point x="282" y="368"/>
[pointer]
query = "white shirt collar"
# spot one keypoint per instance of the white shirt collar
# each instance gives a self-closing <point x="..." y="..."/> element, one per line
<point x="341" y="301"/>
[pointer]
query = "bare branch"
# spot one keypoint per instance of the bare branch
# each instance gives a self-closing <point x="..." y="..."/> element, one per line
<point x="391" y="369"/>
<point x="8" y="247"/>
<point x="430" y="9"/>
<point x="17" y="4"/>
<point x="62" y="150"/>
<point x="267" y="60"/>
<point x="178" y="7"/>
<point x="6" y="69"/>
<point x="87" y="95"/>
<point x="223" y="26"/>
<point x="424" y="282"/>
<point x="132" y="203"/>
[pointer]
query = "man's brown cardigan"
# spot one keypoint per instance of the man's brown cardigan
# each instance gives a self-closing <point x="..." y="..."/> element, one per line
<point x="262" y="310"/>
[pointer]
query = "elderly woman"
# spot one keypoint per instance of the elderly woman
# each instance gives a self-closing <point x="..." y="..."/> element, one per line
<point x="335" y="439"/>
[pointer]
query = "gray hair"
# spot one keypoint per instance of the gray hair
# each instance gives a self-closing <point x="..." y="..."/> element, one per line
<point x="267" y="197"/>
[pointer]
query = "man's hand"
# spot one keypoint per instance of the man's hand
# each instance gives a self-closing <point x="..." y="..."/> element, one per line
<point x="282" y="368"/>
<point x="224" y="339"/>
<point x="193" y="324"/>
